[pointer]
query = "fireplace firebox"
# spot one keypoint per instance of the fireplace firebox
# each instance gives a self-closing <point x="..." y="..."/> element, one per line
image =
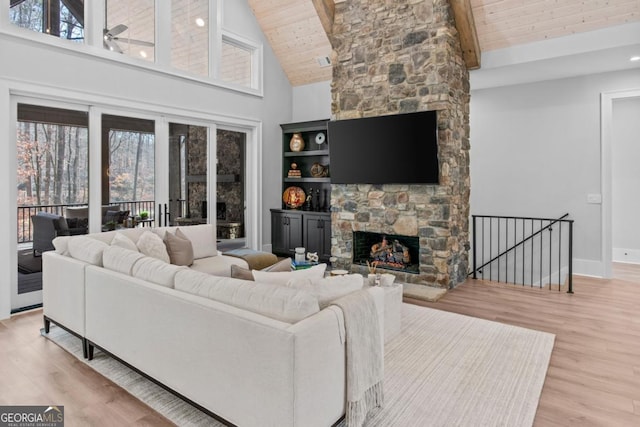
<point x="387" y="251"/>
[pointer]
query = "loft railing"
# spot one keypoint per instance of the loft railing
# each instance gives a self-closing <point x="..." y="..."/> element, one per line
<point x="523" y="250"/>
<point x="25" y="227"/>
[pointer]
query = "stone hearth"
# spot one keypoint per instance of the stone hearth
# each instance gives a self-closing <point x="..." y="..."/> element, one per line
<point x="392" y="58"/>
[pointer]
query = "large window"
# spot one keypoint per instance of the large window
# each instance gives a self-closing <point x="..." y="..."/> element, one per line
<point x="190" y="36"/>
<point x="59" y="18"/>
<point x="130" y="28"/>
<point x="178" y="37"/>
<point x="236" y="62"/>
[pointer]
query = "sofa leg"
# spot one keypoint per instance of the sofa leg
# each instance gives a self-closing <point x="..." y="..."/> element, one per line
<point x="85" y="348"/>
<point x="47" y="324"/>
<point x="89" y="349"/>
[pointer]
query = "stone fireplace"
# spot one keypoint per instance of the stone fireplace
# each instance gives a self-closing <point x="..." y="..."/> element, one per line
<point x="386" y="251"/>
<point x="392" y="58"/>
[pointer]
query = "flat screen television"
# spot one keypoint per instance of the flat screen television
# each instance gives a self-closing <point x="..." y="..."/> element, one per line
<point x="394" y="149"/>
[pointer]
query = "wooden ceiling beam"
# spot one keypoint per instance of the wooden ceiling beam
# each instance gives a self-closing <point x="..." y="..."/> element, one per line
<point x="466" y="27"/>
<point x="326" y="10"/>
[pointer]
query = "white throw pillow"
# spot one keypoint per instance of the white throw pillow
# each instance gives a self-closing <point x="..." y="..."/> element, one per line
<point x="119" y="259"/>
<point x="282" y="277"/>
<point x="61" y="243"/>
<point x="86" y="249"/>
<point x="203" y="239"/>
<point x="328" y="289"/>
<point x="155" y="271"/>
<point x="277" y="302"/>
<point x="124" y="242"/>
<point x="152" y="245"/>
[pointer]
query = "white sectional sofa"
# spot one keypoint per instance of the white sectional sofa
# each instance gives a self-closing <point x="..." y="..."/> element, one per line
<point x="253" y="354"/>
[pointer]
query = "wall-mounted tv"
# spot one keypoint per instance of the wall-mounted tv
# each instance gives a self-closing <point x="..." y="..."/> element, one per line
<point x="394" y="149"/>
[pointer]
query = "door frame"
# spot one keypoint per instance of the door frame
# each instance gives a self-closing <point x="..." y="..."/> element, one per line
<point x="606" y="169"/>
<point x="96" y="105"/>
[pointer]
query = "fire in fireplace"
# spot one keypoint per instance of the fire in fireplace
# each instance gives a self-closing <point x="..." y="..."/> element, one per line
<point x="389" y="251"/>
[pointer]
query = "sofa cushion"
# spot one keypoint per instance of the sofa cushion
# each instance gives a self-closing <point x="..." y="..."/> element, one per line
<point x="86" y="249"/>
<point x="124" y="242"/>
<point x="179" y="248"/>
<point x="155" y="271"/>
<point x="217" y="265"/>
<point x="281" y="278"/>
<point x="328" y="289"/>
<point x="120" y="259"/>
<point x="203" y="239"/>
<point x="152" y="245"/>
<point x="277" y="302"/>
<point x="238" y="272"/>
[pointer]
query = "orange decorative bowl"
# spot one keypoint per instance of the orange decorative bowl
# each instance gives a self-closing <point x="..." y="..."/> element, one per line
<point x="294" y="197"/>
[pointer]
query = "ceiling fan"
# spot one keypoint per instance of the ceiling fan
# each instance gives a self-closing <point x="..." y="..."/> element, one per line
<point x="110" y="38"/>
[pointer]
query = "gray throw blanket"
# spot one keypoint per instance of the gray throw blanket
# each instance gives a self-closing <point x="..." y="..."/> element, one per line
<point x="365" y="356"/>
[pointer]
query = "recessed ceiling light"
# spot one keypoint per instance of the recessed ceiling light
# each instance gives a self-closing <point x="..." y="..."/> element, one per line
<point x="143" y="53"/>
<point x="634" y="58"/>
<point x="200" y="22"/>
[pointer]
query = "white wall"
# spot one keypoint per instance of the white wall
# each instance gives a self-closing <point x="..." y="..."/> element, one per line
<point x="535" y="151"/>
<point x="28" y="64"/>
<point x="626" y="179"/>
<point x="312" y="102"/>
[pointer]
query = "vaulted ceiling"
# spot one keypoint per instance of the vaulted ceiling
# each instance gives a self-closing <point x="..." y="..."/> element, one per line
<point x="295" y="30"/>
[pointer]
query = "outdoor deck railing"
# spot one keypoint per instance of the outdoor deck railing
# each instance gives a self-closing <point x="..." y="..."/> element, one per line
<point x="25" y="227"/>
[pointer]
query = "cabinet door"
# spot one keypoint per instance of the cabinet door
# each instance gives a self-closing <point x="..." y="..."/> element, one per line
<point x="279" y="233"/>
<point x="317" y="233"/>
<point x="294" y="233"/>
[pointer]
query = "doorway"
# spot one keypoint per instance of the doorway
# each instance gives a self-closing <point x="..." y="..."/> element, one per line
<point x="230" y="189"/>
<point x="608" y="138"/>
<point x="52" y="148"/>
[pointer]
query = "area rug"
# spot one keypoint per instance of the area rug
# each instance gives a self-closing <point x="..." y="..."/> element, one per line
<point x="444" y="369"/>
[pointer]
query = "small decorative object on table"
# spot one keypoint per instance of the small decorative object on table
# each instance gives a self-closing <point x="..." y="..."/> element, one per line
<point x="374" y="278"/>
<point x="299" y="257"/>
<point x="144" y="215"/>
<point x="313" y="257"/>
<point x="297" y="142"/>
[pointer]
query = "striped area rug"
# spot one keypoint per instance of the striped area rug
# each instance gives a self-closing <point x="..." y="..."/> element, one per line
<point x="444" y="369"/>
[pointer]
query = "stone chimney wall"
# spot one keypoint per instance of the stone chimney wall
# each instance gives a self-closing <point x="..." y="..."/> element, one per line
<point x="393" y="57"/>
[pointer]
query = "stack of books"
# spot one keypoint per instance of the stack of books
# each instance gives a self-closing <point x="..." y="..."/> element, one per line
<point x="301" y="265"/>
<point x="294" y="173"/>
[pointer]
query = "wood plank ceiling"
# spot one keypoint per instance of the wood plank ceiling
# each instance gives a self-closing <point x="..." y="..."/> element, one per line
<point x="297" y="37"/>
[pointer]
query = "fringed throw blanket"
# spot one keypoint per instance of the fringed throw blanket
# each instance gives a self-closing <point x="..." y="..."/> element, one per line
<point x="365" y="356"/>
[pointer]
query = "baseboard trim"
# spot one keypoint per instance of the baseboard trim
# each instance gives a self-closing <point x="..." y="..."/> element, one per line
<point x="628" y="256"/>
<point x="587" y="267"/>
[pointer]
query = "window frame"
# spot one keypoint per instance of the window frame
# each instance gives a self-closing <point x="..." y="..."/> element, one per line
<point x="92" y="46"/>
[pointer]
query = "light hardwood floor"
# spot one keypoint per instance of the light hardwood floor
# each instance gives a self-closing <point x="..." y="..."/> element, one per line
<point x="593" y="378"/>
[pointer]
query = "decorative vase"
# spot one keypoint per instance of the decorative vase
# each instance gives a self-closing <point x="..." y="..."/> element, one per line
<point x="297" y="142"/>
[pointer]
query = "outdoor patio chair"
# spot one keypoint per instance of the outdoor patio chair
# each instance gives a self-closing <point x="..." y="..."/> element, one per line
<point x="46" y="227"/>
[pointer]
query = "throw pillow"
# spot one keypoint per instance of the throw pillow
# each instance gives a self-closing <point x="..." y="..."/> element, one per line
<point x="179" y="248"/>
<point x="124" y="242"/>
<point x="87" y="249"/>
<point x="238" y="272"/>
<point x="152" y="245"/>
<point x="281" y="278"/>
<point x="328" y="289"/>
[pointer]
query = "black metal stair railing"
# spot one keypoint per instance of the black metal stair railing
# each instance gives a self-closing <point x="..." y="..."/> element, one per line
<point x="523" y="250"/>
